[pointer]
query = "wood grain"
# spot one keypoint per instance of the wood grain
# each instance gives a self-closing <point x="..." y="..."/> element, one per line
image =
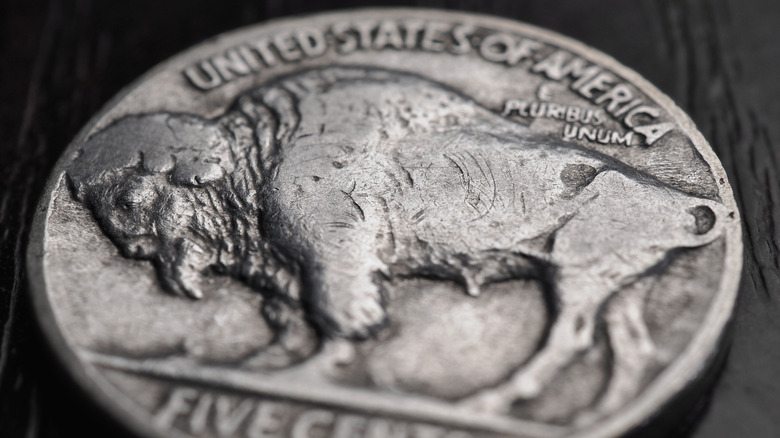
<point x="61" y="60"/>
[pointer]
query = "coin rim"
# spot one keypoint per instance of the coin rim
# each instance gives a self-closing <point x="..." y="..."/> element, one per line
<point x="675" y="380"/>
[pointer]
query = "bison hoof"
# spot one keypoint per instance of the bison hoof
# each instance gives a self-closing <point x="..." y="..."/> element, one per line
<point x="488" y="402"/>
<point x="526" y="387"/>
<point x="587" y="418"/>
<point x="362" y="318"/>
<point x="275" y="356"/>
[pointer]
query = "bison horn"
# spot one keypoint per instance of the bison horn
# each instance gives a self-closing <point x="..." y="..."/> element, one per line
<point x="182" y="268"/>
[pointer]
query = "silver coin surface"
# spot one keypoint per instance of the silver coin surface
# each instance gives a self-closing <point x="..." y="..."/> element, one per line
<point x="387" y="223"/>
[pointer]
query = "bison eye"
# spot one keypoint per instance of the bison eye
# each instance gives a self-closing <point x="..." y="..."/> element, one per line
<point x="132" y="197"/>
<point x="128" y="201"/>
<point x="126" y="205"/>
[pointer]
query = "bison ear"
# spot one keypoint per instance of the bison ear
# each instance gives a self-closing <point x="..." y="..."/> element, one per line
<point x="180" y="281"/>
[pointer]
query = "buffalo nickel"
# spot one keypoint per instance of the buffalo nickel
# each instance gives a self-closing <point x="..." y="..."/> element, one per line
<point x="387" y="223"/>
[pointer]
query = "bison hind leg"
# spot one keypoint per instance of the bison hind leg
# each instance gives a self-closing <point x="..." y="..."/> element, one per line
<point x="571" y="334"/>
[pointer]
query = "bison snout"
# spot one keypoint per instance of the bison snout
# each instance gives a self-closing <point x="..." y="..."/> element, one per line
<point x="705" y="218"/>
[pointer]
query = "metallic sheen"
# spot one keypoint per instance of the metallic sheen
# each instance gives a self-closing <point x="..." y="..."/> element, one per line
<point x="387" y="223"/>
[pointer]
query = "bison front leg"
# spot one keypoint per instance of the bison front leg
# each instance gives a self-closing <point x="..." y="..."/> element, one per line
<point x="349" y="303"/>
<point x="633" y="350"/>
<point x="346" y="270"/>
<point x="571" y="333"/>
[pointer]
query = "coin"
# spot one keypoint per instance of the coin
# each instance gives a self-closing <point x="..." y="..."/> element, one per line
<point x="387" y="223"/>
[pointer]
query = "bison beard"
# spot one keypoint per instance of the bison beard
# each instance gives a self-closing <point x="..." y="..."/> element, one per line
<point x="190" y="214"/>
<point x="198" y="196"/>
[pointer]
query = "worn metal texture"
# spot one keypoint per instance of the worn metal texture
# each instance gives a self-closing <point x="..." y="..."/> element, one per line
<point x="350" y="198"/>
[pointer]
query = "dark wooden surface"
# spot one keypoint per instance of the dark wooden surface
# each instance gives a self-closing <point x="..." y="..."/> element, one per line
<point x="60" y="61"/>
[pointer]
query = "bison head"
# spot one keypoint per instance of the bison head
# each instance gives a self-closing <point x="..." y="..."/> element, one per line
<point x="182" y="192"/>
